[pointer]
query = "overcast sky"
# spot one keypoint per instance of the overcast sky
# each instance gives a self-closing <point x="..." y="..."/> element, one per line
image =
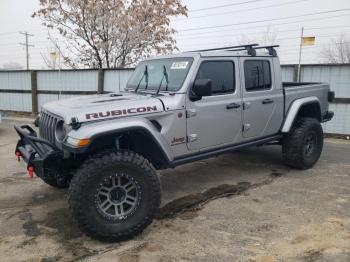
<point x="209" y="24"/>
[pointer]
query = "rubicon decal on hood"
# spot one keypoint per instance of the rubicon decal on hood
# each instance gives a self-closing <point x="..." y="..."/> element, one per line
<point x="119" y="112"/>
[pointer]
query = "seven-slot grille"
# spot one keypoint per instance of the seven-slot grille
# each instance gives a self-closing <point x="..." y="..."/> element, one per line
<point x="47" y="126"/>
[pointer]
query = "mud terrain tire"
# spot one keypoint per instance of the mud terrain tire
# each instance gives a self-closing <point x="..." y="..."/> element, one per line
<point x="302" y="147"/>
<point x="104" y="180"/>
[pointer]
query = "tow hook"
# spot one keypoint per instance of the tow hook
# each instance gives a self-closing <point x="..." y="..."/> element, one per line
<point x="18" y="155"/>
<point x="30" y="171"/>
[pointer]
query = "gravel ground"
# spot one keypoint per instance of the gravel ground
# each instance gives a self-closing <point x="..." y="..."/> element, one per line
<point x="244" y="206"/>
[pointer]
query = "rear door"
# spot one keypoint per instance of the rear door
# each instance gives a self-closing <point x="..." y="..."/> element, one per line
<point x="217" y="119"/>
<point x="262" y="98"/>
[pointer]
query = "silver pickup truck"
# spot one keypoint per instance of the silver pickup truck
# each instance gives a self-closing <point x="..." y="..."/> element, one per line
<point x="176" y="109"/>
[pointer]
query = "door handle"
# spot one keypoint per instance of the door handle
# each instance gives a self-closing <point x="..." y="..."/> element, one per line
<point x="267" y="101"/>
<point x="233" y="105"/>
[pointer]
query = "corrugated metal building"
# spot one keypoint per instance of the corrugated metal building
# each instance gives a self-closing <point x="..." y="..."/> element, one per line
<point x="15" y="101"/>
<point x="63" y="81"/>
<point x="16" y="87"/>
<point x="338" y="76"/>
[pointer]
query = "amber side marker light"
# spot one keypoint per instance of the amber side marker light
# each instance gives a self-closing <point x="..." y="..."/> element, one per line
<point x="83" y="142"/>
<point x="77" y="142"/>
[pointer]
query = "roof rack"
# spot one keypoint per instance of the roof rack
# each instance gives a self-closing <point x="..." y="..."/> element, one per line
<point x="250" y="48"/>
<point x="228" y="48"/>
<point x="270" y="48"/>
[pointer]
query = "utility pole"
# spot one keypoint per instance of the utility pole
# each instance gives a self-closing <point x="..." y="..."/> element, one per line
<point x="300" y="48"/>
<point x="27" y="45"/>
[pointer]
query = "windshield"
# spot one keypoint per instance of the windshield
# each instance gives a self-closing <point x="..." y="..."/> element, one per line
<point x="150" y="74"/>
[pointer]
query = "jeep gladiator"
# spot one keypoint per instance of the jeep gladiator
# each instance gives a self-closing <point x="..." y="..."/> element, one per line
<point x="176" y="109"/>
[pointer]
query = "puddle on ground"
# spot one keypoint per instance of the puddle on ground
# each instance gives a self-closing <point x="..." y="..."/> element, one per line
<point x="30" y="226"/>
<point x="62" y="221"/>
<point x="59" y="220"/>
<point x="65" y="231"/>
<point x="196" y="201"/>
<point x="193" y="201"/>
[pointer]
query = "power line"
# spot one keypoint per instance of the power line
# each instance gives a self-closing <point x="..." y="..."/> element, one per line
<point x="327" y="35"/>
<point x="27" y="45"/>
<point x="45" y="42"/>
<point x="290" y="38"/>
<point x="242" y="10"/>
<point x="36" y="42"/>
<point x="9" y="33"/>
<point x="265" y="20"/>
<point x="16" y="32"/>
<point x="279" y="24"/>
<point x="261" y="32"/>
<point x="227" y="5"/>
<point x="277" y="39"/>
<point x="295" y="49"/>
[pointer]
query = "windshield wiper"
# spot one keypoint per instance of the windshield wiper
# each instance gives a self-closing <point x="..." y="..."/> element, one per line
<point x="145" y="74"/>
<point x="165" y="75"/>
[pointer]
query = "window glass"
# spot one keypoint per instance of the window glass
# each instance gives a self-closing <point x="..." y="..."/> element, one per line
<point x="221" y="73"/>
<point x="257" y="75"/>
<point x="170" y="73"/>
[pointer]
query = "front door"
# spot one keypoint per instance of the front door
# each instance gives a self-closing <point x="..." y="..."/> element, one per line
<point x="262" y="99"/>
<point x="217" y="119"/>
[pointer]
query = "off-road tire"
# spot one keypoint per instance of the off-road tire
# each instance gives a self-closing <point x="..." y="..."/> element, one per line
<point x="294" y="145"/>
<point x="55" y="179"/>
<point x="90" y="176"/>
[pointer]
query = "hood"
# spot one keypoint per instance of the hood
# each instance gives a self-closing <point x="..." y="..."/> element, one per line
<point x="99" y="107"/>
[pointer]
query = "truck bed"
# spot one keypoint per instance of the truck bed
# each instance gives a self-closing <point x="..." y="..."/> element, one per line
<point x="295" y="90"/>
<point x="293" y="84"/>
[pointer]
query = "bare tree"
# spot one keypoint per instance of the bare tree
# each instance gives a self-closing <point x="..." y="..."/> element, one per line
<point x="52" y="56"/>
<point x="268" y="37"/>
<point x="337" y="51"/>
<point x="111" y="33"/>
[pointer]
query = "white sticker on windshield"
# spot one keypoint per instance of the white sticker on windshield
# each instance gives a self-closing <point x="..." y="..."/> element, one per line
<point x="179" y="65"/>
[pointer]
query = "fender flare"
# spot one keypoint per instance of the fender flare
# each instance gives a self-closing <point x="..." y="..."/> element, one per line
<point x="97" y="130"/>
<point x="294" y="110"/>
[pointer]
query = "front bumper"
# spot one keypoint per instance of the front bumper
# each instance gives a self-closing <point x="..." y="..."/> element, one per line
<point x="38" y="153"/>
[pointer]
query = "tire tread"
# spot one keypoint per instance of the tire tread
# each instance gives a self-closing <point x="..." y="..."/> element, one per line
<point x="293" y="142"/>
<point x="88" y="169"/>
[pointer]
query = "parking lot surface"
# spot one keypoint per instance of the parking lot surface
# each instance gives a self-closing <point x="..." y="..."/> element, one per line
<point x="243" y="206"/>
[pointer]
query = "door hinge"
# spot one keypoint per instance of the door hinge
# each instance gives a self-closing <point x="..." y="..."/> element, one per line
<point x="246" y="105"/>
<point x="191" y="113"/>
<point x="191" y="138"/>
<point x="246" y="127"/>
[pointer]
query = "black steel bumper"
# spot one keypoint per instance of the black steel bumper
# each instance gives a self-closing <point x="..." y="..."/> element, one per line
<point x="38" y="153"/>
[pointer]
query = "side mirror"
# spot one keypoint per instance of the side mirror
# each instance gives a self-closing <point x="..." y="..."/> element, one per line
<point x="201" y="87"/>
